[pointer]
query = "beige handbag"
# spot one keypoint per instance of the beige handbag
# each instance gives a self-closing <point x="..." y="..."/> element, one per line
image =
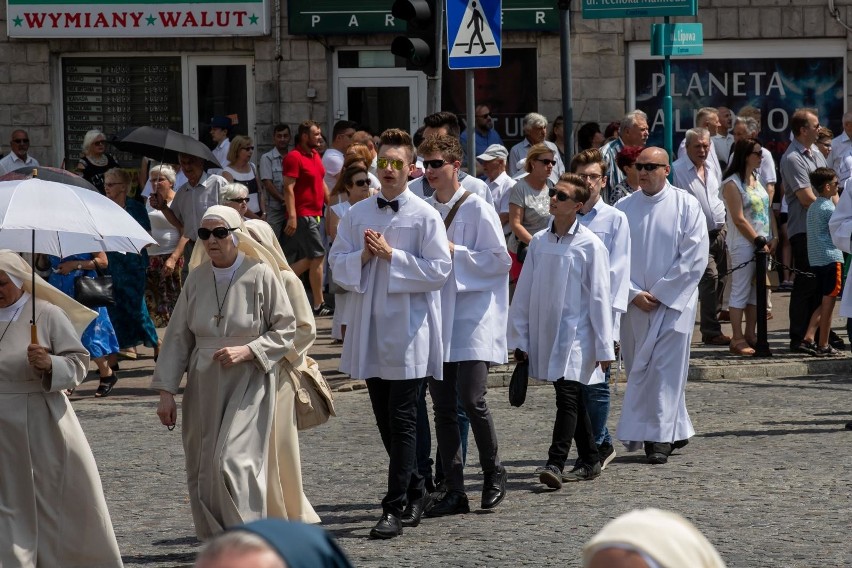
<point x="314" y="401"/>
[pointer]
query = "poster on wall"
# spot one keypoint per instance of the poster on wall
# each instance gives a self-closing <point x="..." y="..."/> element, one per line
<point x="123" y="18"/>
<point x="777" y="86"/>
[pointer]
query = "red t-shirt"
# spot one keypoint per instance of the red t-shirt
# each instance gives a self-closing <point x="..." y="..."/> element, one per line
<point x="308" y="171"/>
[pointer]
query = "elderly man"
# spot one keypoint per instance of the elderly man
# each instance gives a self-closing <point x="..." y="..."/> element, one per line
<point x="201" y="190"/>
<point x="19" y="156"/>
<point x="484" y="132"/>
<point x="535" y="131"/>
<point x="840" y="157"/>
<point x="667" y="260"/>
<point x="707" y="118"/>
<point x="493" y="162"/>
<point x="632" y="132"/>
<point x="693" y="173"/>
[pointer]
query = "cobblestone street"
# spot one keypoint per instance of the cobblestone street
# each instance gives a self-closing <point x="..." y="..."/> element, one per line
<point x="767" y="478"/>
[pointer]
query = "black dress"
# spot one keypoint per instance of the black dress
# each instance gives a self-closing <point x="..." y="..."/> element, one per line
<point x="94" y="174"/>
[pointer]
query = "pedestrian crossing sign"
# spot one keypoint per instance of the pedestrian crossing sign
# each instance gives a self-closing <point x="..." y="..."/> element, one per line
<point x="474" y="33"/>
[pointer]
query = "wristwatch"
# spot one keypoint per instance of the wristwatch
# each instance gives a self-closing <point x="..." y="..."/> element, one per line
<point x="79" y="266"/>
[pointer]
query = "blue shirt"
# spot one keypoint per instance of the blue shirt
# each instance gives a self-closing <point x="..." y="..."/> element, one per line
<point x="482" y="142"/>
<point x="821" y="251"/>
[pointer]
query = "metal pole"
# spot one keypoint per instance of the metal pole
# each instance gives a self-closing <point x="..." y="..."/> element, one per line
<point x="668" y="113"/>
<point x="762" y="347"/>
<point x="433" y="84"/>
<point x="565" y="71"/>
<point x="470" y="87"/>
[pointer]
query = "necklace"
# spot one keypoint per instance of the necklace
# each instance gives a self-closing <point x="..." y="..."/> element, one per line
<point x="8" y="325"/>
<point x="218" y="317"/>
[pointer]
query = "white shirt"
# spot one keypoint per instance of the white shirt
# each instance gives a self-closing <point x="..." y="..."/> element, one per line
<point x="421" y="188"/>
<point x="475" y="298"/>
<point x="712" y="161"/>
<point x="332" y="161"/>
<point x="191" y="202"/>
<point x="561" y="313"/>
<point x="520" y="150"/>
<point x="501" y="190"/>
<point x="12" y="162"/>
<point x="840" y="157"/>
<point x="395" y="330"/>
<point x="221" y="153"/>
<point x="723" y="145"/>
<point x="707" y="191"/>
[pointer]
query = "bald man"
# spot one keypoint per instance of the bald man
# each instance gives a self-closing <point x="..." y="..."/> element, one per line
<point x="667" y="261"/>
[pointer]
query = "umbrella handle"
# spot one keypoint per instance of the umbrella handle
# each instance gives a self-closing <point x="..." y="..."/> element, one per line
<point x="33" y="334"/>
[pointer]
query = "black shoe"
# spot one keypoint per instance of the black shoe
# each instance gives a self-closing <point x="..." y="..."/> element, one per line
<point x="323" y="310"/>
<point x="106" y="385"/>
<point x="414" y="511"/>
<point x="583" y="472"/>
<point x="678" y="444"/>
<point x="658" y="452"/>
<point x="849" y="425"/>
<point x="607" y="454"/>
<point x="453" y="503"/>
<point x="388" y="526"/>
<point x="836" y="341"/>
<point x="494" y="488"/>
<point x="551" y="476"/>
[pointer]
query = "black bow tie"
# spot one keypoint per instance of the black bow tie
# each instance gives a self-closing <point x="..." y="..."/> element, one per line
<point x="384" y="203"/>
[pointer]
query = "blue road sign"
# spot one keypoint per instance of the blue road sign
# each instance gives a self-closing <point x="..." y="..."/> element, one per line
<point x="473" y="30"/>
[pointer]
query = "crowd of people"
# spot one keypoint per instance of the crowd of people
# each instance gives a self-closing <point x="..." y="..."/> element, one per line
<point x="436" y="274"/>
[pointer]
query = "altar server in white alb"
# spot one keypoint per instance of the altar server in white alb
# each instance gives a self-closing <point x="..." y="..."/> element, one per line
<point x="669" y="245"/>
<point x="474" y="307"/>
<point x="840" y="226"/>
<point x="561" y="320"/>
<point x="610" y="225"/>
<point x="392" y="253"/>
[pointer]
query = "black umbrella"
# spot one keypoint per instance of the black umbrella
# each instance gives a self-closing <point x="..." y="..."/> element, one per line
<point x="163" y="145"/>
<point x="48" y="174"/>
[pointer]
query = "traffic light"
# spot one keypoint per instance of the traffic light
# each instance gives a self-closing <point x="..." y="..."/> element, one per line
<point x="417" y="47"/>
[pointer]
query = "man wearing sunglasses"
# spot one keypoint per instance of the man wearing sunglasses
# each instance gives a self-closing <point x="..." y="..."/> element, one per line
<point x="483" y="131"/>
<point x="19" y="156"/>
<point x="392" y="253"/>
<point x="669" y="251"/>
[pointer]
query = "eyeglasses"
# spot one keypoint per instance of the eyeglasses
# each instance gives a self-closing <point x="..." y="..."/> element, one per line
<point x="21" y="140"/>
<point x="360" y="182"/>
<point x="590" y="177"/>
<point x="434" y="164"/>
<point x="239" y="200"/>
<point x="249" y="148"/>
<point x="649" y="167"/>
<point x="218" y="232"/>
<point x="552" y="192"/>
<point x="546" y="162"/>
<point x="382" y="163"/>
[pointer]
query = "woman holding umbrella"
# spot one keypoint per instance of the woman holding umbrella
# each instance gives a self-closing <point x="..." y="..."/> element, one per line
<point x="129" y="314"/>
<point x="59" y="515"/>
<point x="95" y="161"/>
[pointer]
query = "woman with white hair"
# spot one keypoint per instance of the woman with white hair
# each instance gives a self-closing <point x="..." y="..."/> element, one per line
<point x="95" y="162"/>
<point x="165" y="259"/>
<point x="236" y="196"/>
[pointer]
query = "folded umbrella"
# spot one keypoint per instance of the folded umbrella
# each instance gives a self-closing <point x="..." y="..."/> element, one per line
<point x="163" y="145"/>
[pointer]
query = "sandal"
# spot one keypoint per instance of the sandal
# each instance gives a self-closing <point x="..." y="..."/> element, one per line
<point x="106" y="386"/>
<point x="741" y="348"/>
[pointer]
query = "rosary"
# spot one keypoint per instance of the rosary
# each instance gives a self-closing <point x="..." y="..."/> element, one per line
<point x="218" y="317"/>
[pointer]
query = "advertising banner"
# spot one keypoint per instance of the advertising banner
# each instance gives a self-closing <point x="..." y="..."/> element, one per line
<point x="123" y="18"/>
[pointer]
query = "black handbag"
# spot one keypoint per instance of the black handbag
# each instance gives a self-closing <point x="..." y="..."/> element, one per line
<point x="94" y="292"/>
<point x="518" y="384"/>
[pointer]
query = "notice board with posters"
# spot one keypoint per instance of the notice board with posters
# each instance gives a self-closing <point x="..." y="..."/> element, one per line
<point x="773" y="76"/>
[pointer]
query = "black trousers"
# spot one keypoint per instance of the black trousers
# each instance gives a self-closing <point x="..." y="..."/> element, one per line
<point x="712" y="286"/>
<point x="572" y="422"/>
<point x="806" y="296"/>
<point x="395" y="408"/>
<point x="466" y="381"/>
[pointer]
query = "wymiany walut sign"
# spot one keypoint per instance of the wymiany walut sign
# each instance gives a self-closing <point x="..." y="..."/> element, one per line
<point x="339" y="17"/>
<point x="117" y="18"/>
<point x="597" y="9"/>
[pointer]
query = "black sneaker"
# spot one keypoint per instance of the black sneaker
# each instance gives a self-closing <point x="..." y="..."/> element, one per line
<point x="583" y="472"/>
<point x="836" y="341"/>
<point x="607" y="454"/>
<point x="550" y="476"/>
<point x="323" y="310"/>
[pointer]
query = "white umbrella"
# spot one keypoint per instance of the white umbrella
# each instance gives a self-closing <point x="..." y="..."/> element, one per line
<point x="58" y="219"/>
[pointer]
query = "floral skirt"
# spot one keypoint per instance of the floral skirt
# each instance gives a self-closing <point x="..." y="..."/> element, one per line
<point x="162" y="289"/>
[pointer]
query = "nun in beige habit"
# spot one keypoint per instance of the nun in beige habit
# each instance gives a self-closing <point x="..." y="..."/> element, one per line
<point x="232" y="332"/>
<point x="52" y="506"/>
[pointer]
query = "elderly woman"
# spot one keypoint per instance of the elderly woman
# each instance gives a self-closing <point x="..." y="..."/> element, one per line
<point x="236" y="196"/>
<point x="626" y="162"/>
<point x="52" y="506"/>
<point x="165" y="260"/>
<point x="529" y="204"/>
<point x="241" y="170"/>
<point x="749" y="217"/>
<point x="232" y="333"/>
<point x="95" y="161"/>
<point x="129" y="314"/>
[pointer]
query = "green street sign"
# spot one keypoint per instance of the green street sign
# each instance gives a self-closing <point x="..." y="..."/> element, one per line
<point x="677" y="39"/>
<point x="597" y="9"/>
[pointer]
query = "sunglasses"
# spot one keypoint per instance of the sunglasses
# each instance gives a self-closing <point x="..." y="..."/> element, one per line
<point x="21" y="140"/>
<point x="559" y="195"/>
<point x="99" y="143"/>
<point x="249" y="148"/>
<point x="382" y="163"/>
<point x="360" y="182"/>
<point x="434" y="164"/>
<point x="239" y="200"/>
<point x="546" y="162"/>
<point x="218" y="232"/>
<point x="483" y="115"/>
<point x="649" y="167"/>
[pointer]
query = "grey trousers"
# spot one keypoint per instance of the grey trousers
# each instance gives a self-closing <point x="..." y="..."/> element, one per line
<point x="712" y="287"/>
<point x="465" y="381"/>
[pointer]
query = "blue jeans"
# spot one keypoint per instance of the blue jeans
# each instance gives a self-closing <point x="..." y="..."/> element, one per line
<point x="597" y="405"/>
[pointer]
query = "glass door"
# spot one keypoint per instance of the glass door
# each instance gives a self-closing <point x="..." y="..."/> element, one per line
<point x="381" y="102"/>
<point x="220" y="86"/>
